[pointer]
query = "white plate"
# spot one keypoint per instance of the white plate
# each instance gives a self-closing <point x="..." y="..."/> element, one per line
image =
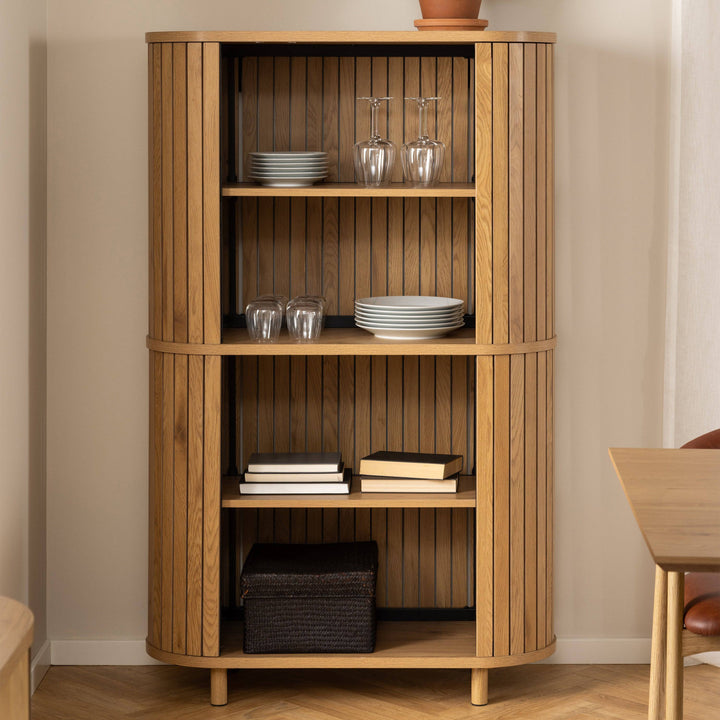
<point x="287" y="173"/>
<point x="287" y="165"/>
<point x="408" y="326"/>
<point x="408" y="323"/>
<point x="420" y="315"/>
<point x="309" y="154"/>
<point x="391" y="334"/>
<point x="409" y="302"/>
<point x="288" y="182"/>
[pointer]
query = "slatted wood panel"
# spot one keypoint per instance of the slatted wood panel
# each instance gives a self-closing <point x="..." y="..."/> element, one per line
<point x="348" y="248"/>
<point x="184" y="307"/>
<point x="515" y="259"/>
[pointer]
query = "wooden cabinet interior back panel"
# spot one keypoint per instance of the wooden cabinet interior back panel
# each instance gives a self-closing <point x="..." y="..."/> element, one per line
<point x="359" y="405"/>
<point x="347" y="248"/>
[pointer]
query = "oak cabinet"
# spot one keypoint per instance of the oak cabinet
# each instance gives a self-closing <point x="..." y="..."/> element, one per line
<point x="465" y="580"/>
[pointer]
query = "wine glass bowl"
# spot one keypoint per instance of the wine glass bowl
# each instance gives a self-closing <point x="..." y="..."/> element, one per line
<point x="374" y="158"/>
<point x="422" y="159"/>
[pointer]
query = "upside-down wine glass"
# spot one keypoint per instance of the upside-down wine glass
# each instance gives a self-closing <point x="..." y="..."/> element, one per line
<point x="374" y="158"/>
<point x="422" y="159"/>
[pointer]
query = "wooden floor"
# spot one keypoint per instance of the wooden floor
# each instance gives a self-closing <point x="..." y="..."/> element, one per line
<point x="539" y="692"/>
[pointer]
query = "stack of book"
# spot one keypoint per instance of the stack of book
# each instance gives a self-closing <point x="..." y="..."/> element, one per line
<point x="388" y="471"/>
<point x="295" y="473"/>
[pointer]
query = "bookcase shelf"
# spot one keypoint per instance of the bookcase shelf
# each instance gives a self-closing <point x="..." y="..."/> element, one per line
<point x="484" y="235"/>
<point x="400" y="644"/>
<point x="464" y="497"/>
<point x="397" y="190"/>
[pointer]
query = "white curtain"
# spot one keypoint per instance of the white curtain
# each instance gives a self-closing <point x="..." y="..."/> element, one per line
<point x="692" y="376"/>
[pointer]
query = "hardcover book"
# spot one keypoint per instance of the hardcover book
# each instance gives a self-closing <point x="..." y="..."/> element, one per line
<point x="294" y="462"/>
<point x="288" y="477"/>
<point x="431" y="466"/>
<point x="407" y="485"/>
<point x="297" y="488"/>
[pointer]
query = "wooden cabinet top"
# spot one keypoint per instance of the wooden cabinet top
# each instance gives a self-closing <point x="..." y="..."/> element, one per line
<point x="408" y="37"/>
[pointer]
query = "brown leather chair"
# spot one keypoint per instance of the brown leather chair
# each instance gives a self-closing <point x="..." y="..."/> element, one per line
<point x="702" y="590"/>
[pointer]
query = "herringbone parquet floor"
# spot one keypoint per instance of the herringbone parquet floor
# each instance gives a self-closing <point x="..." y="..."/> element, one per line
<point x="541" y="692"/>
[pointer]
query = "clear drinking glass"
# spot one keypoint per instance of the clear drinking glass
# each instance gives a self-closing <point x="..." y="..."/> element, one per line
<point x="422" y="159"/>
<point x="374" y="158"/>
<point x="263" y="318"/>
<point x="305" y="317"/>
<point x="281" y="300"/>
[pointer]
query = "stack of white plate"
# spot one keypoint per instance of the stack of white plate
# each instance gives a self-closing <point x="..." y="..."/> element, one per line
<point x="409" y="317"/>
<point x="294" y="168"/>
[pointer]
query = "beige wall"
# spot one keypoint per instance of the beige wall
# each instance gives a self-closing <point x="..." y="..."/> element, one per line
<point x="22" y="305"/>
<point x="611" y="137"/>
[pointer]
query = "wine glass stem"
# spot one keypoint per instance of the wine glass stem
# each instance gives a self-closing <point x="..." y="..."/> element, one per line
<point x="423" y="119"/>
<point x="374" y="108"/>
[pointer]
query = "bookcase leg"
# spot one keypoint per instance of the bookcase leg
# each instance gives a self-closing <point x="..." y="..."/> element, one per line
<point x="479" y="686"/>
<point x="218" y="686"/>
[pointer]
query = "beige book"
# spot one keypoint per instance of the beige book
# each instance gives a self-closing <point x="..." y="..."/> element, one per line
<point x="407" y="485"/>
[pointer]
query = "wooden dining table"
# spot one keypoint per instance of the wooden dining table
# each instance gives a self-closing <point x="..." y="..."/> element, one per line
<point x="675" y="497"/>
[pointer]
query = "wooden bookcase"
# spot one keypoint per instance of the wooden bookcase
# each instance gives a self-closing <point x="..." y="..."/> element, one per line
<point x="475" y="567"/>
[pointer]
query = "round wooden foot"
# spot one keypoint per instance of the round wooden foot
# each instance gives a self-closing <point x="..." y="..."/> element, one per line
<point x="479" y="686"/>
<point x="218" y="686"/>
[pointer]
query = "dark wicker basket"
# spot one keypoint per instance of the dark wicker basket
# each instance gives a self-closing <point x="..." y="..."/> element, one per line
<point x="310" y="598"/>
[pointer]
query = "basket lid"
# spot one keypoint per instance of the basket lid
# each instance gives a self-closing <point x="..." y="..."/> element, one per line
<point x="310" y="570"/>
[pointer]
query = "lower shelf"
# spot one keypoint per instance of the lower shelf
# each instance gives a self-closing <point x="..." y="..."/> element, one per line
<point x="399" y="644"/>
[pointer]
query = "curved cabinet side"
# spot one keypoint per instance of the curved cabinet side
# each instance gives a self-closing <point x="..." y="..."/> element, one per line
<point x="184" y="307"/>
<point x="515" y="283"/>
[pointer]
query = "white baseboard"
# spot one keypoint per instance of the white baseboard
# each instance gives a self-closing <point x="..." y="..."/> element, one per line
<point x="39" y="665"/>
<point x="100" y="652"/>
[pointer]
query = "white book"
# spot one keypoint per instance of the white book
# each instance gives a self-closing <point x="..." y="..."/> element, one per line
<point x="294" y="462"/>
<point x="295" y="488"/>
<point x="294" y="477"/>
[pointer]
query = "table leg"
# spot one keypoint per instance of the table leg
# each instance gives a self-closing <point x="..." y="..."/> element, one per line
<point x="659" y="645"/>
<point x="674" y="682"/>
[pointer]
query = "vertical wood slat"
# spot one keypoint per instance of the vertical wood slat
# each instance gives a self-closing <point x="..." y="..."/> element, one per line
<point x="500" y="140"/>
<point x="550" y="181"/>
<point x="180" y="334"/>
<point x="156" y="215"/>
<point x="395" y="430"/>
<point x="485" y="528"/>
<point x="501" y="506"/>
<point x="168" y="482"/>
<point x="483" y="193"/>
<point x="211" y="507"/>
<point x="167" y="212"/>
<point x="195" y="320"/>
<point x="155" y="502"/>
<point x="515" y="195"/>
<point x="211" y="192"/>
<point x="194" y="603"/>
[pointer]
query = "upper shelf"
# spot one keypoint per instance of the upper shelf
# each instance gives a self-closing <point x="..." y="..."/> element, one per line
<point x="458" y="190"/>
<point x="410" y="37"/>
<point x="349" y="341"/>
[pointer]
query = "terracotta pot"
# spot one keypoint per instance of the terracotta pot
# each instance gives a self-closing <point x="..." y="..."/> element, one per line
<point x="450" y="8"/>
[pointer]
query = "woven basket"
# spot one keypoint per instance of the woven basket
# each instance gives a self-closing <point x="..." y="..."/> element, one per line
<point x="310" y="598"/>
